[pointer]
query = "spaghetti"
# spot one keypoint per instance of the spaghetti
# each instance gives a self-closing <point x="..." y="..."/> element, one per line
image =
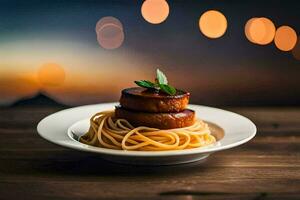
<point x="105" y="131"/>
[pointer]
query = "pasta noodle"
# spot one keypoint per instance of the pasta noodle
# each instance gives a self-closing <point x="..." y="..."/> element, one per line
<point x="105" y="131"/>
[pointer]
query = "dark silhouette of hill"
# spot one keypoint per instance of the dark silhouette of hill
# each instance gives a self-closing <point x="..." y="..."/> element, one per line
<point x="38" y="100"/>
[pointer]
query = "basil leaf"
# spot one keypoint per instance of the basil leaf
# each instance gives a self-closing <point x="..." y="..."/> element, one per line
<point x="161" y="77"/>
<point x="145" y="84"/>
<point x="167" y="89"/>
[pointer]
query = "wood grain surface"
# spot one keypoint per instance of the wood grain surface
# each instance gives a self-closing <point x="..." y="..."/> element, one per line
<point x="268" y="167"/>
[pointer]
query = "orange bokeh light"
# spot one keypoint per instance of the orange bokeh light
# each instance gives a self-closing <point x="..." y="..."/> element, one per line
<point x="260" y="30"/>
<point x="51" y="74"/>
<point x="213" y="24"/>
<point x="155" y="11"/>
<point x="247" y="29"/>
<point x="296" y="50"/>
<point x="110" y="34"/>
<point x="270" y="31"/>
<point x="285" y="38"/>
<point x="255" y="30"/>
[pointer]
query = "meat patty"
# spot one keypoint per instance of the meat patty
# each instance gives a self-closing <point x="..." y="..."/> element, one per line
<point x="157" y="120"/>
<point x="142" y="99"/>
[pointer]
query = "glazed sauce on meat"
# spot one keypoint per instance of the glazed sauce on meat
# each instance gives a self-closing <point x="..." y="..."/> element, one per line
<point x="144" y="92"/>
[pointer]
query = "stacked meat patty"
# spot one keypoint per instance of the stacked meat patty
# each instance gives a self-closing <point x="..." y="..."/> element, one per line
<point x="144" y="107"/>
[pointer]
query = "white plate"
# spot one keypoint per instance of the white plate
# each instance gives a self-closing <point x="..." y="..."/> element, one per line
<point x="57" y="128"/>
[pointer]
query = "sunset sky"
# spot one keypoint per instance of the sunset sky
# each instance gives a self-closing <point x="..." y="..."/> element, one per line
<point x="226" y="70"/>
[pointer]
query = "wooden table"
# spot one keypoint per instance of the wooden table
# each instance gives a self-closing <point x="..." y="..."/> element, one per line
<point x="268" y="167"/>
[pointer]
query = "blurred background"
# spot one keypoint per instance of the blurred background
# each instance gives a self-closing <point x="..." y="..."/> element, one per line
<point x="226" y="53"/>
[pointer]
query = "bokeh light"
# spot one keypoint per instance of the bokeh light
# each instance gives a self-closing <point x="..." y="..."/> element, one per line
<point x="270" y="31"/>
<point x="107" y="20"/>
<point x="51" y="74"/>
<point x="260" y="30"/>
<point x="213" y="24"/>
<point x="155" y="11"/>
<point x="247" y="29"/>
<point x="110" y="34"/>
<point x="285" y="38"/>
<point x="296" y="50"/>
<point x="255" y="30"/>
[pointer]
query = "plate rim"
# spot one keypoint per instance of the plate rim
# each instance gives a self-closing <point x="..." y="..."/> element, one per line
<point x="87" y="148"/>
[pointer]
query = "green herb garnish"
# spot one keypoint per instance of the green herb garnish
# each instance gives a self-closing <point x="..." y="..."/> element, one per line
<point x="161" y="77"/>
<point x="145" y="84"/>
<point x="168" y="89"/>
<point x="161" y="84"/>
